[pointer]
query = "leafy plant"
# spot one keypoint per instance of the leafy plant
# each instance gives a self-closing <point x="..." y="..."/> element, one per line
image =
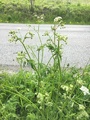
<point x="53" y="44"/>
<point x="47" y="91"/>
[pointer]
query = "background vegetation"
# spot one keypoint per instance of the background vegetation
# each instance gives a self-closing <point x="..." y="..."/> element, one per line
<point x="19" y="11"/>
<point x="48" y="91"/>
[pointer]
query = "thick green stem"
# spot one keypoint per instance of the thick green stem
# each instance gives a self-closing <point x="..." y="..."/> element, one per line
<point x="49" y="60"/>
<point x="29" y="55"/>
<point x="38" y="72"/>
<point x="40" y="43"/>
<point x="54" y="42"/>
<point x="60" y="71"/>
<point x="25" y="49"/>
<point x="59" y="60"/>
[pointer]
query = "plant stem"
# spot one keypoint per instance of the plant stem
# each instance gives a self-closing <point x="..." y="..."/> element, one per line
<point x="40" y="43"/>
<point x="59" y="61"/>
<point x="26" y="49"/>
<point x="29" y="56"/>
<point x="38" y="72"/>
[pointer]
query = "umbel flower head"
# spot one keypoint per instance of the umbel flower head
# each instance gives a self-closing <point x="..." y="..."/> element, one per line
<point x="57" y="19"/>
<point x="81" y="107"/>
<point x="58" y="22"/>
<point x="85" y="90"/>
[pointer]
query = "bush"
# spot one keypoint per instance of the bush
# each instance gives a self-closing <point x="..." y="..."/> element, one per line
<point x="75" y="14"/>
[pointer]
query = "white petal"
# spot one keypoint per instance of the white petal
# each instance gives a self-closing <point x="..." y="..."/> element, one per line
<point x="84" y="90"/>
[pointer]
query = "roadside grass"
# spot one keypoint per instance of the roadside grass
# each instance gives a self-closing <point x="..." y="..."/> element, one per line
<point x="56" y="100"/>
<point x="73" y="12"/>
<point x="37" y="2"/>
<point x="56" y="2"/>
<point x="48" y="92"/>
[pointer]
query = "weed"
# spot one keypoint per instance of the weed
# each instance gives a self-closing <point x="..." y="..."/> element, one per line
<point x="48" y="92"/>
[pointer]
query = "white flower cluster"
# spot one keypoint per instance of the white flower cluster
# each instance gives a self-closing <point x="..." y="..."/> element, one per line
<point x="67" y="88"/>
<point x="44" y="98"/>
<point x="57" y="19"/>
<point x="81" y="107"/>
<point x="85" y="90"/>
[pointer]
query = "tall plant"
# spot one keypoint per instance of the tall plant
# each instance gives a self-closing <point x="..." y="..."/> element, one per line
<point x="54" y="43"/>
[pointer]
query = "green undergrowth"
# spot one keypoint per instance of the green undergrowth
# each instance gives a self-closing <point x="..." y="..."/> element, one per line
<point x="55" y="100"/>
<point x="48" y="91"/>
<point x="20" y="12"/>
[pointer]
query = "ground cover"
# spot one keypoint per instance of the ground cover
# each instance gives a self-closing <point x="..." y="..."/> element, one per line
<point x="46" y="92"/>
<point x="73" y="12"/>
<point x="57" y="100"/>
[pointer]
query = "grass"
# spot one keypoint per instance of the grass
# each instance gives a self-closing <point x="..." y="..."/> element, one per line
<point x="72" y="11"/>
<point x="37" y="2"/>
<point x="49" y="91"/>
<point x="20" y="99"/>
<point x="58" y="2"/>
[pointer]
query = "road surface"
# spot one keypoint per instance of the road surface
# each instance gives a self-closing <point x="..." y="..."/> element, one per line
<point x="76" y="52"/>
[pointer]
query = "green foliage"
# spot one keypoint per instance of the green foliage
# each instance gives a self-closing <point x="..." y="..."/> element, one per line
<point x="73" y="12"/>
<point x="20" y="100"/>
<point x="47" y="91"/>
<point x="70" y="13"/>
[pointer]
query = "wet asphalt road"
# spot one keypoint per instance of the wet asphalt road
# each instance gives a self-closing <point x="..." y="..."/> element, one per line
<point x="76" y="52"/>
